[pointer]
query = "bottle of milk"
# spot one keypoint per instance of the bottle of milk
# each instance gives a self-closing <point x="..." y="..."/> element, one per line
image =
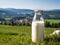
<point x="38" y="26"/>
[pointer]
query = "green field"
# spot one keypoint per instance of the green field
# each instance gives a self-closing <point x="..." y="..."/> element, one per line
<point x="52" y="20"/>
<point x="21" y="35"/>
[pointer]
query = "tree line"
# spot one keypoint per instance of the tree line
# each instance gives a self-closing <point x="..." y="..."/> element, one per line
<point x="47" y="24"/>
<point x="54" y="25"/>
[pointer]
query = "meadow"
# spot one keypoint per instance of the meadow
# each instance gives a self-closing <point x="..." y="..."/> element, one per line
<point x="21" y="35"/>
<point x="52" y="20"/>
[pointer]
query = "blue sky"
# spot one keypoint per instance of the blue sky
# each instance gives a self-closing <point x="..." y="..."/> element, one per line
<point x="30" y="4"/>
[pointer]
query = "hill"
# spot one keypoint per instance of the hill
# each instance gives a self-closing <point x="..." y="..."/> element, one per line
<point x="52" y="14"/>
<point x="11" y="12"/>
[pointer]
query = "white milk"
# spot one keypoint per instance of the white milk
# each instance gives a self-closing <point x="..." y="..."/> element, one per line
<point x="37" y="28"/>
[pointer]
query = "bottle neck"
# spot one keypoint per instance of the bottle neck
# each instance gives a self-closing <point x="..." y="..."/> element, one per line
<point x="38" y="17"/>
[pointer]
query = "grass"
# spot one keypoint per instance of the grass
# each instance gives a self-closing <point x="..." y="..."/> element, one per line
<point x="21" y="35"/>
<point x="53" y="20"/>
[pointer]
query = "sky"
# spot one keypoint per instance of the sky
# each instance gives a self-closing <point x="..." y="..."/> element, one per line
<point x="30" y="4"/>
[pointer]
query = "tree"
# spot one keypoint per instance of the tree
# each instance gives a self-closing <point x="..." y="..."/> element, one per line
<point x="47" y="24"/>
